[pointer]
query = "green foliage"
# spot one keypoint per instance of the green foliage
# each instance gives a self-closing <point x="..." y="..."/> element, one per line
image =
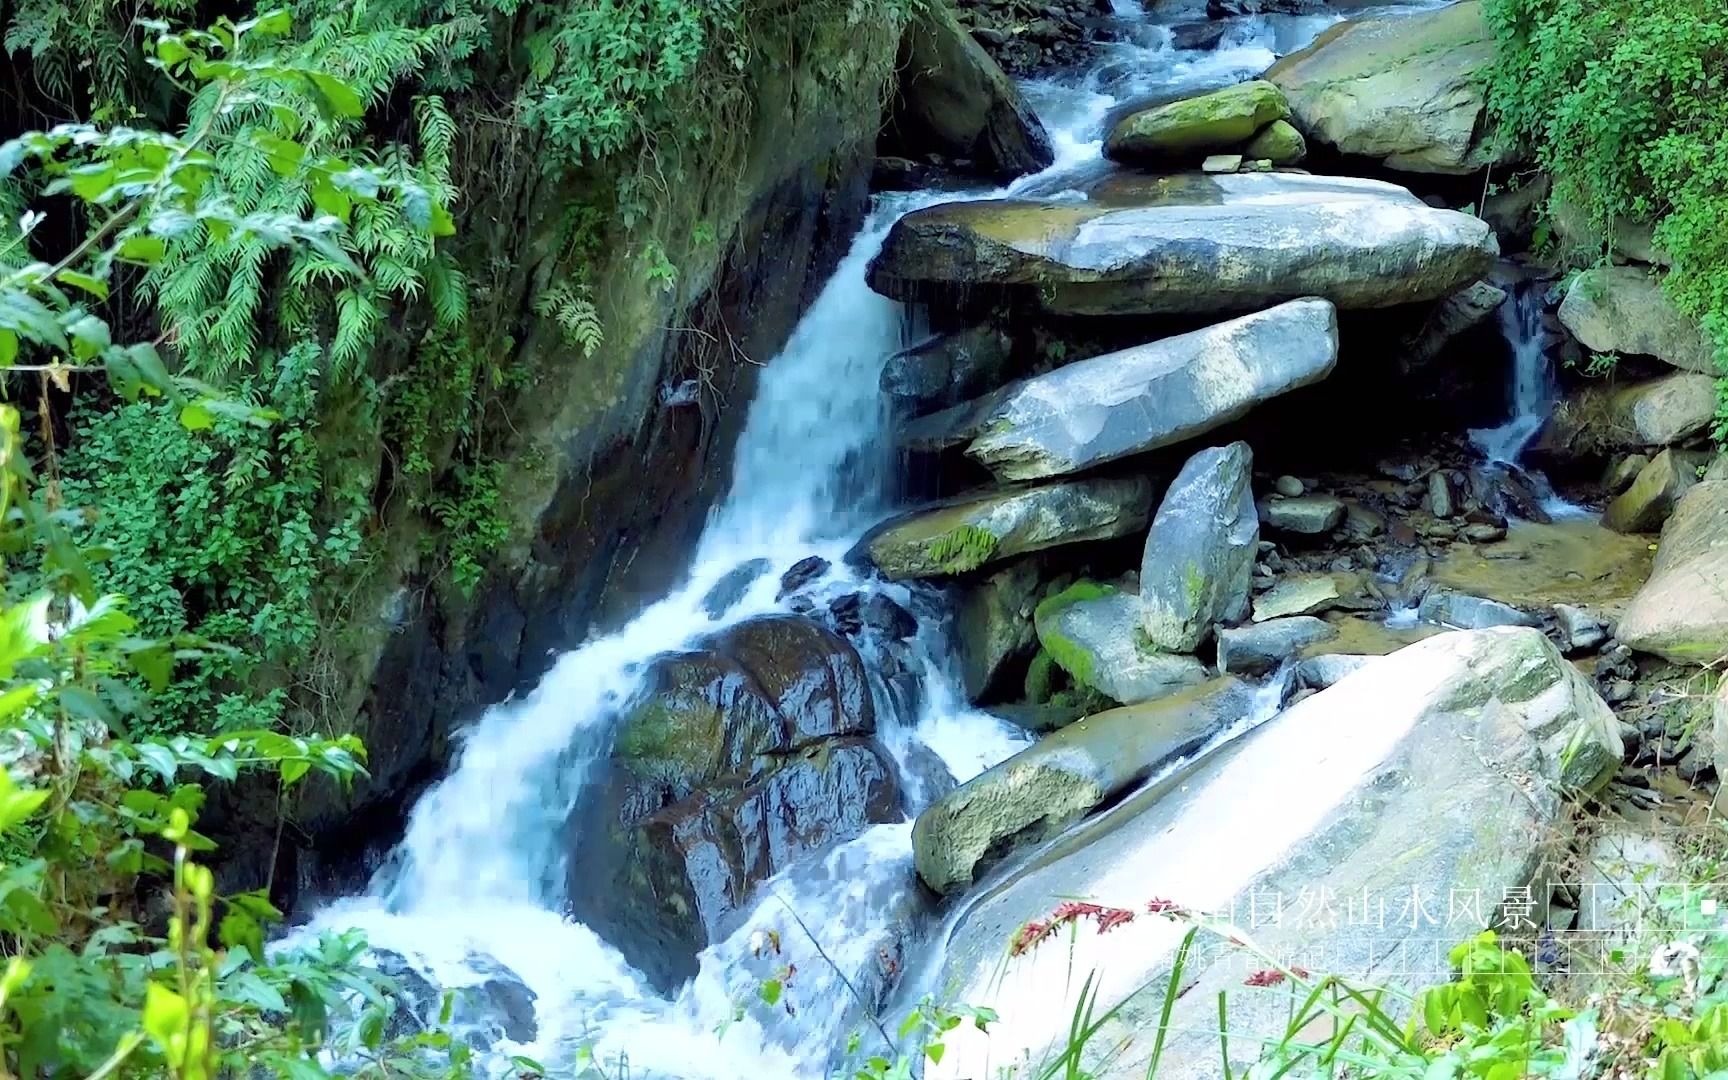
<point x="97" y="983"/>
<point x="963" y="548"/>
<point x="1625" y="103"/>
<point x="215" y="533"/>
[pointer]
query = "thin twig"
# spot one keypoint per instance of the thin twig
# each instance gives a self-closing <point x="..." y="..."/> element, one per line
<point x="844" y="981"/>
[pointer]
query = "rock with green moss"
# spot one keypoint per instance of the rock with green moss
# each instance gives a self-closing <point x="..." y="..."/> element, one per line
<point x="964" y="535"/>
<point x="1439" y="773"/>
<point x="1681" y="613"/>
<point x="1646" y="504"/>
<point x="1123" y="403"/>
<point x="1094" y="632"/>
<point x="1405" y="90"/>
<point x="1278" y="142"/>
<point x="1188" y="244"/>
<point x="1623" y="310"/>
<point x="1059" y="779"/>
<point x="954" y="100"/>
<point x="1199" y="554"/>
<point x="732" y="761"/>
<point x="993" y="626"/>
<point x="1183" y="132"/>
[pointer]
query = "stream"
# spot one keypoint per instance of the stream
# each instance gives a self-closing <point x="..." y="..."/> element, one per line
<point x="475" y="895"/>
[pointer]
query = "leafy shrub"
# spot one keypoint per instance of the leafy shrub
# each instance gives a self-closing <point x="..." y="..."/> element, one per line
<point x="1625" y="103"/>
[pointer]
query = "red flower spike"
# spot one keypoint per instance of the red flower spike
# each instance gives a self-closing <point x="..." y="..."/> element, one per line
<point x="1269" y="977"/>
<point x="1110" y="918"/>
<point x="1163" y="907"/>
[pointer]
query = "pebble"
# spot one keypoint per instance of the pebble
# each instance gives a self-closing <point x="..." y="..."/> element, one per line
<point x="1288" y="486"/>
<point x="1618" y="691"/>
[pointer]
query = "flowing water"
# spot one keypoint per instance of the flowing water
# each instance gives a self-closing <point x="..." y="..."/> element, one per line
<point x="477" y="889"/>
<point x="1534" y="390"/>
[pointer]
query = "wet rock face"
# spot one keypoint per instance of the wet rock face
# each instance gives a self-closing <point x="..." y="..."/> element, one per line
<point x="733" y="761"/>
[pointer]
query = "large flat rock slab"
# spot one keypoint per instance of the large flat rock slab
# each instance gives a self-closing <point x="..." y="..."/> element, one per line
<point x="1128" y="402"/>
<point x="1429" y="777"/>
<point x="1191" y="244"/>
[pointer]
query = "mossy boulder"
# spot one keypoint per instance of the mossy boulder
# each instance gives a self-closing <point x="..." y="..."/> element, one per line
<point x="954" y="100"/>
<point x="993" y="626"/>
<point x="1601" y="420"/>
<point x="1183" y="132"/>
<point x="1059" y="779"/>
<point x="1646" y="504"/>
<point x="964" y="535"/>
<point x="1681" y="613"/>
<point x="730" y="762"/>
<point x="1278" y="142"/>
<point x="1094" y="633"/>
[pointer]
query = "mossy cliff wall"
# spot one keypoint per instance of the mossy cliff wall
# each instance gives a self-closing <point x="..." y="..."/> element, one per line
<point x="604" y="486"/>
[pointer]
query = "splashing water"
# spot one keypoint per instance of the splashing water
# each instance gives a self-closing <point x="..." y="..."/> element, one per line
<point x="478" y="884"/>
<point x="1534" y="390"/>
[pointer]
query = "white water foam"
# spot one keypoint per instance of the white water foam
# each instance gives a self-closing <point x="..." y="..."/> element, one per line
<point x="478" y="883"/>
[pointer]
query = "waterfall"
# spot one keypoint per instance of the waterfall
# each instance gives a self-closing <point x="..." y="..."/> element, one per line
<point x="477" y="889"/>
<point x="1534" y="390"/>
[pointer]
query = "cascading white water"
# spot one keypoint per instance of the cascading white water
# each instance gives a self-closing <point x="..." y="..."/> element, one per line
<point x="1534" y="390"/>
<point x="478" y="882"/>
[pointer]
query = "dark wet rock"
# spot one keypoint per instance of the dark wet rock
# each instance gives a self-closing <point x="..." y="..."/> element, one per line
<point x="948" y="369"/>
<point x="1226" y="9"/>
<point x="1039" y="719"/>
<point x="1259" y="648"/>
<point x="731" y="588"/>
<point x="1140" y="399"/>
<point x="1197" y="36"/>
<point x="1440" y="501"/>
<point x="954" y="100"/>
<point x="731" y="762"/>
<point x="499" y="1007"/>
<point x="1199" y="553"/>
<point x="856" y="613"/>
<point x="802" y="573"/>
<point x="1056" y="781"/>
<point x="1622" y="471"/>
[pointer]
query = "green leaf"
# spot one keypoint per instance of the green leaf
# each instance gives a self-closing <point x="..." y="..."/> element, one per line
<point x="86" y="706"/>
<point x="934" y="1052"/>
<point x="294" y="769"/>
<point x="159" y="758"/>
<point x="171" y="50"/>
<point x="770" y="992"/>
<point x="337" y="98"/>
<point x="17" y="803"/>
<point x="197" y="416"/>
<point x="95" y="286"/>
<point x="166" y="1019"/>
<point x="8" y="347"/>
<point x="143" y="248"/>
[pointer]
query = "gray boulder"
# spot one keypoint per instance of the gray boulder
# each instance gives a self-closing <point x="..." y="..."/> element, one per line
<point x="1406" y="90"/>
<point x="1429" y="777"/>
<point x="1681" y="613"/>
<point x="1053" y="783"/>
<point x="1306" y="515"/>
<point x="1190" y="244"/>
<point x="1645" y="505"/>
<point x="1199" y="554"/>
<point x="1657" y="412"/>
<point x="1327" y="669"/>
<point x="1464" y="309"/>
<point x="947" y="370"/>
<point x="1261" y="647"/>
<point x="1306" y="594"/>
<point x="1581" y="629"/>
<point x="1093" y="631"/>
<point x="955" y="101"/>
<point x="1140" y="399"/>
<point x="1622" y="309"/>
<point x="962" y="536"/>
<point x="1460" y="611"/>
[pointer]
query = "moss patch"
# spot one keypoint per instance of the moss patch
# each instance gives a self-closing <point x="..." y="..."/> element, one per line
<point x="1069" y="654"/>
<point x="963" y="548"/>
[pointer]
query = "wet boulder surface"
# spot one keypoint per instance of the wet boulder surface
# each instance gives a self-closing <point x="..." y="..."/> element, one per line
<point x="734" y="760"/>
